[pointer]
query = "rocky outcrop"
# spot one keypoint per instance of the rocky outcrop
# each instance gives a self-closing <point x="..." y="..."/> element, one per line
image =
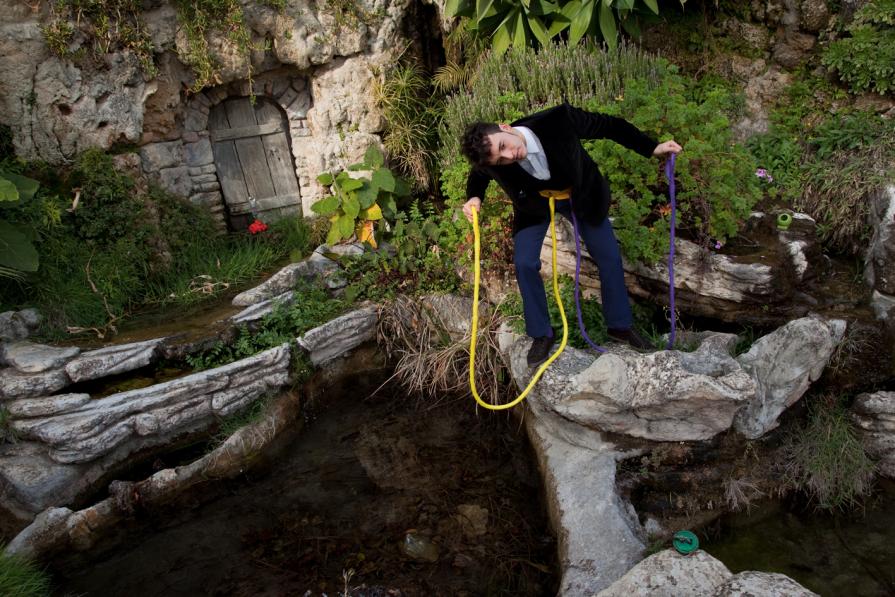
<point x="670" y="395"/>
<point x="879" y="268"/>
<point x="669" y="574"/>
<point x="783" y="365"/>
<point x="766" y="287"/>
<point x="338" y="336"/>
<point x="874" y="415"/>
<point x="284" y="280"/>
<point x="27" y="357"/>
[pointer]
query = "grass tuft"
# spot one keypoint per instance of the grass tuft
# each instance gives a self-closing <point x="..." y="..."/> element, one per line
<point x="20" y="577"/>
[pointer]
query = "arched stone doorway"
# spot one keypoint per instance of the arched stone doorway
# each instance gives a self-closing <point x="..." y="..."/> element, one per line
<point x="253" y="158"/>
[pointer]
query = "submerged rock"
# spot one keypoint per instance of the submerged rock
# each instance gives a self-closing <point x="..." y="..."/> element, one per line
<point x="874" y="414"/>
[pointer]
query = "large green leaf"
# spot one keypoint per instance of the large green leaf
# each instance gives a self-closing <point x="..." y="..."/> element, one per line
<point x="538" y="29"/>
<point x="351" y="184"/>
<point x="562" y="19"/>
<point x="483" y="8"/>
<point x="631" y="26"/>
<point x="351" y="206"/>
<point x="16" y="251"/>
<point x="459" y="8"/>
<point x="520" y="38"/>
<point x="624" y="4"/>
<point x="384" y="179"/>
<point x="8" y="191"/>
<point x="500" y="41"/>
<point x="334" y="235"/>
<point x="325" y="179"/>
<point x="326" y="206"/>
<point x="542" y="7"/>
<point x="581" y="21"/>
<point x="27" y="187"/>
<point x="653" y="5"/>
<point x="346" y="225"/>
<point x="607" y="24"/>
<point x="373" y="157"/>
<point x="366" y="195"/>
<point x="402" y="188"/>
<point x="389" y="208"/>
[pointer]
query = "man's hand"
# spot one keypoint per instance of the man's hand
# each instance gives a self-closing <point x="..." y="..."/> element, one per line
<point x="476" y="203"/>
<point x="663" y="149"/>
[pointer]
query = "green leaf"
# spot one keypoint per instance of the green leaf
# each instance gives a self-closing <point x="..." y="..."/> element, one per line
<point x="27" y="186"/>
<point x="346" y="225"/>
<point x="581" y="21"/>
<point x="384" y="179"/>
<point x="16" y="251"/>
<point x="325" y="179"/>
<point x="334" y="235"/>
<point x="402" y="188"/>
<point x="373" y="157"/>
<point x="326" y="206"/>
<point x="389" y="208"/>
<point x="561" y="22"/>
<point x="607" y="24"/>
<point x="482" y="8"/>
<point x="351" y="184"/>
<point x="459" y="8"/>
<point x="539" y="31"/>
<point x="654" y="6"/>
<point x="520" y="39"/>
<point x="8" y="191"/>
<point x="366" y="195"/>
<point x="500" y="40"/>
<point x="351" y="206"/>
<point x="624" y="5"/>
<point x="631" y="26"/>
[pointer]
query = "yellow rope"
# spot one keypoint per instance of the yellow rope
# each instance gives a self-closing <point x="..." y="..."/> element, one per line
<point x="475" y="316"/>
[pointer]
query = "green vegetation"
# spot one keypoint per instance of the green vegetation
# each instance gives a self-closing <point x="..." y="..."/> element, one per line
<point x="525" y="23"/>
<point x="356" y="201"/>
<point x="865" y="60"/>
<point x="715" y="177"/>
<point x="825" y="459"/>
<point x="111" y="247"/>
<point x="21" y="578"/>
<point x="17" y="252"/>
<point x="230" y="425"/>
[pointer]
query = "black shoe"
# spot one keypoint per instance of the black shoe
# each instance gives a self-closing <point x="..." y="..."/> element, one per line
<point x="540" y="349"/>
<point x="631" y="337"/>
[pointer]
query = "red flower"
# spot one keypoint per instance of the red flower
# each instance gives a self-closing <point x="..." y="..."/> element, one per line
<point x="257" y="226"/>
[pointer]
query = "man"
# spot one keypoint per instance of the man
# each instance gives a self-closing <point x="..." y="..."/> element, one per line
<point x="541" y="153"/>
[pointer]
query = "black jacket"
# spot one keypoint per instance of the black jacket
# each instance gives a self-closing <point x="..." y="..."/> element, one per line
<point x="560" y="130"/>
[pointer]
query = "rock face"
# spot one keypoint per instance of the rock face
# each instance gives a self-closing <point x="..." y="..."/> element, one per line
<point x="669" y="574"/>
<point x="763" y="288"/>
<point x="340" y="335"/>
<point x="783" y="364"/>
<point x="875" y="416"/>
<point x="284" y="280"/>
<point x="879" y="268"/>
<point x="79" y="431"/>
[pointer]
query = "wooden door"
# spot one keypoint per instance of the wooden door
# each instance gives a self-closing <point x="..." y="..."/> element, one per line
<point x="253" y="160"/>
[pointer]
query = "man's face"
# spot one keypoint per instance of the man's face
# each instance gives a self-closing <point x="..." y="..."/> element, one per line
<point x="507" y="146"/>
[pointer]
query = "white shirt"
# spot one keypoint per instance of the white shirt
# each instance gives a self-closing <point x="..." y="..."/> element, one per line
<point x="535" y="163"/>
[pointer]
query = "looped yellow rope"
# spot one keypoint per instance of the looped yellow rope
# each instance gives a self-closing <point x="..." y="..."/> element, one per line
<point x="475" y="311"/>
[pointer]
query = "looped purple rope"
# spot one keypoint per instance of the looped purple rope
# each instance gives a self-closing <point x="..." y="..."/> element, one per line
<point x="669" y="174"/>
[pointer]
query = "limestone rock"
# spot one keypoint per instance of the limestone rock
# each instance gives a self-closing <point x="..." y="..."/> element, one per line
<point x="111" y="360"/>
<point x="598" y="533"/>
<point x="452" y="313"/>
<point x="752" y="584"/>
<point x="27" y="357"/>
<point x="259" y="310"/>
<point x="158" y="413"/>
<point x="284" y="280"/>
<point x="663" y="396"/>
<point x="670" y="574"/>
<point x="18" y="325"/>
<point x="815" y="15"/>
<point x="762" y="89"/>
<point x="874" y="414"/>
<point x="879" y="269"/>
<point x="30" y="385"/>
<point x="783" y="364"/>
<point x="335" y="338"/>
<point x="46" y="406"/>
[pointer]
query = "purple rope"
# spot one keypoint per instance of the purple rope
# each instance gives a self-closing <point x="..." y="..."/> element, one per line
<point x="669" y="174"/>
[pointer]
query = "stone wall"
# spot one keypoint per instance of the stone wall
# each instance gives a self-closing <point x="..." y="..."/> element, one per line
<point x="318" y="68"/>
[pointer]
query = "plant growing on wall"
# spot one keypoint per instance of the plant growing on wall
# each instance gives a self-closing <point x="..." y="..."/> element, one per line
<point x="866" y="59"/>
<point x="17" y="253"/>
<point x="521" y="23"/>
<point x="357" y="201"/>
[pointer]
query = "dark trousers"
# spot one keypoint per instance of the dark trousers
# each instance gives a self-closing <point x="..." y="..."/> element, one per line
<point x="603" y="248"/>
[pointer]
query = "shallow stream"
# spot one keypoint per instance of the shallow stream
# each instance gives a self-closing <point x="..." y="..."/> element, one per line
<point x="415" y="501"/>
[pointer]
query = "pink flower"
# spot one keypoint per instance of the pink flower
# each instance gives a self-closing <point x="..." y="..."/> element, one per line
<point x="763" y="173"/>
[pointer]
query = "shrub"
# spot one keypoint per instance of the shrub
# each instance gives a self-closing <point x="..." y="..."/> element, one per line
<point x="826" y="460"/>
<point x="715" y="178"/>
<point x="866" y="59"/>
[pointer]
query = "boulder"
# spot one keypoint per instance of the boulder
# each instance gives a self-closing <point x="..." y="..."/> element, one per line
<point x="112" y="360"/>
<point x="31" y="385"/>
<point x="18" y="325"/>
<point x="754" y="584"/>
<point x="670" y="574"/>
<point x="597" y="530"/>
<point x="662" y="396"/>
<point x="783" y="365"/>
<point x="150" y="416"/>
<point x="879" y="262"/>
<point x="874" y="414"/>
<point x="336" y="337"/>
<point x="27" y="357"/>
<point x="285" y="279"/>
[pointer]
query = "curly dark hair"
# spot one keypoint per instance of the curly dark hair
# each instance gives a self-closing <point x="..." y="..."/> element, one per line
<point x="475" y="144"/>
